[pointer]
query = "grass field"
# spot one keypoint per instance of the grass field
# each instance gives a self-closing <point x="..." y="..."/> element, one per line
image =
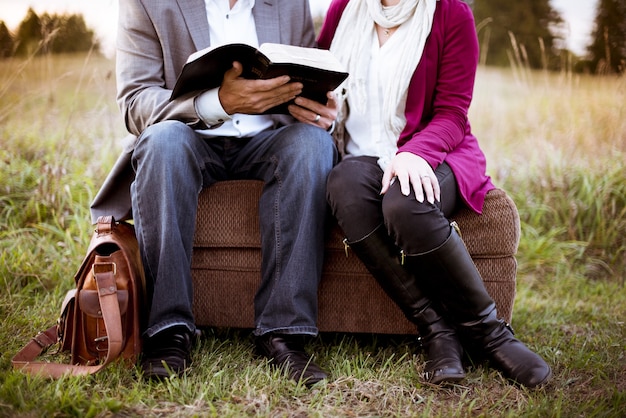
<point x="555" y="142"/>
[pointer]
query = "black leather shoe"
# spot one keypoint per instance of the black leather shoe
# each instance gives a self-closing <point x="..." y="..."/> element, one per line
<point x="516" y="361"/>
<point x="167" y="353"/>
<point x="288" y="351"/>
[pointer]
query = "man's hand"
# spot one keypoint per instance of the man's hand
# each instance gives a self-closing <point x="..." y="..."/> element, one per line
<point x="314" y="113"/>
<point x="239" y="95"/>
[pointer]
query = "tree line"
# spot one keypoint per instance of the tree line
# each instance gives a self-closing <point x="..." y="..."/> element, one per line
<point x="532" y="33"/>
<point x="47" y="34"/>
<point x="529" y="33"/>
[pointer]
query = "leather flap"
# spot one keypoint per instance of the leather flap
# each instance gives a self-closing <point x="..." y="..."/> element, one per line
<point x="89" y="303"/>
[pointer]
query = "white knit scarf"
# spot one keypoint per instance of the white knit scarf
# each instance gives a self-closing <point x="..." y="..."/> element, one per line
<point x="351" y="45"/>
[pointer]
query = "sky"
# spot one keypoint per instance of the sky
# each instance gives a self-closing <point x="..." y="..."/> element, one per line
<point x="101" y="15"/>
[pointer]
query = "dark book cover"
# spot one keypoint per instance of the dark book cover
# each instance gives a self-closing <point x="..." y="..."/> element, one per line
<point x="317" y="70"/>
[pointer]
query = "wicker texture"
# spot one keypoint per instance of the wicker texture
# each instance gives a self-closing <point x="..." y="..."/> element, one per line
<point x="227" y="258"/>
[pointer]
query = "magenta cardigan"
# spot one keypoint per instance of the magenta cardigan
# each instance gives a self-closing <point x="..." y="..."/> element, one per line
<point x="439" y="96"/>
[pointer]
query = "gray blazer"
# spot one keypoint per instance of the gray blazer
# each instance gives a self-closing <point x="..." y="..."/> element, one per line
<point x="155" y="38"/>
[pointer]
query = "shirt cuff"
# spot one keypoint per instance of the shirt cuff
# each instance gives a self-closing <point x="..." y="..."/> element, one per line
<point x="209" y="108"/>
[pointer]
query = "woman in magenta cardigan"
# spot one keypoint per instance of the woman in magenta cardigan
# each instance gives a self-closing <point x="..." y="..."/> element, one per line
<point x="409" y="161"/>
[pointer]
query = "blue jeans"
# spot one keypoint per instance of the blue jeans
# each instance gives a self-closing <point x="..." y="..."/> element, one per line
<point x="172" y="165"/>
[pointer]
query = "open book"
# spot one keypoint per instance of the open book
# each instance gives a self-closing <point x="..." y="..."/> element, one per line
<point x="317" y="69"/>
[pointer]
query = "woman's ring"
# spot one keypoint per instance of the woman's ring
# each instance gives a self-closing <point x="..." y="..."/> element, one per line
<point x="317" y="118"/>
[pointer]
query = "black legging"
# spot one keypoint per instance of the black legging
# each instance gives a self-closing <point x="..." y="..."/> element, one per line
<point x="353" y="192"/>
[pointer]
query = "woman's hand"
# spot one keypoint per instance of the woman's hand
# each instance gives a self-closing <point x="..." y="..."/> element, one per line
<point x="411" y="169"/>
<point x="314" y="113"/>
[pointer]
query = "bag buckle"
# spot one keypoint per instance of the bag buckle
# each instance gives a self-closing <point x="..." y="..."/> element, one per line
<point x="99" y="346"/>
<point x="39" y="342"/>
<point x="43" y="341"/>
<point x="102" y="270"/>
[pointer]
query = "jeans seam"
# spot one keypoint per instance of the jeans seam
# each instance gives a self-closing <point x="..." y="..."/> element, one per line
<point x="277" y="225"/>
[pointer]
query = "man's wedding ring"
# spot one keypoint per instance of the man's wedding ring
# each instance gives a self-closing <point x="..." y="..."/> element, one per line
<point x="317" y="118"/>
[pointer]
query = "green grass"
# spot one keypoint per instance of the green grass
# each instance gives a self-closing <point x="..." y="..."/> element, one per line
<point x="555" y="142"/>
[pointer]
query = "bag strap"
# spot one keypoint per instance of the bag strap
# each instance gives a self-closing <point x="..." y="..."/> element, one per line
<point x="104" y="274"/>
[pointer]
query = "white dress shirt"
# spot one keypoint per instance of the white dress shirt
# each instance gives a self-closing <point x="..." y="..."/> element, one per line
<point x="226" y="26"/>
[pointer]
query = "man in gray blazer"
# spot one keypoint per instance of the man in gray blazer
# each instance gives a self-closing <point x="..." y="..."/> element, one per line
<point x="178" y="147"/>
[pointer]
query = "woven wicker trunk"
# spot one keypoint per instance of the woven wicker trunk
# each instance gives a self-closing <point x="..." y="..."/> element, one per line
<point x="227" y="257"/>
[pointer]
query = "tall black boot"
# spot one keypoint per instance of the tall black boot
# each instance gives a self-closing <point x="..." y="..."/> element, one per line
<point x="473" y="311"/>
<point x="439" y="340"/>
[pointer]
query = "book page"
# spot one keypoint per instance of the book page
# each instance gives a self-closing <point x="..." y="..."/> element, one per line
<point x="311" y="57"/>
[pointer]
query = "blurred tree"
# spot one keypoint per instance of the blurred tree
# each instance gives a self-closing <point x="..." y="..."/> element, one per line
<point x="6" y="41"/>
<point x="68" y="33"/>
<point x="608" y="47"/>
<point x="518" y="33"/>
<point x="28" y="36"/>
<point x="54" y="34"/>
